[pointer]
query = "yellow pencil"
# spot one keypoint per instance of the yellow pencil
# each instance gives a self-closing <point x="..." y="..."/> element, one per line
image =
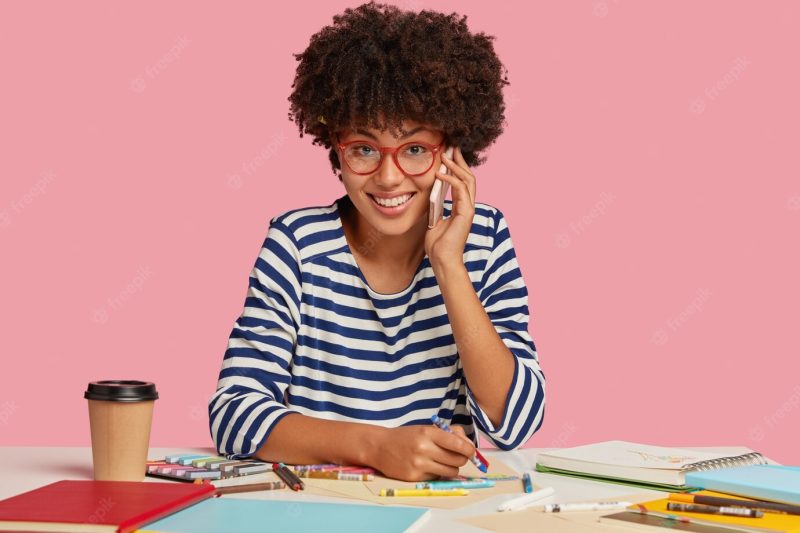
<point x="424" y="492"/>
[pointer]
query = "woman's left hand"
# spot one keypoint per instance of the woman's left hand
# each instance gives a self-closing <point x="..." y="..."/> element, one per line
<point x="444" y="243"/>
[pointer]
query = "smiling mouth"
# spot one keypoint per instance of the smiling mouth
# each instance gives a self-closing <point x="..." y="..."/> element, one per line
<point x="393" y="202"/>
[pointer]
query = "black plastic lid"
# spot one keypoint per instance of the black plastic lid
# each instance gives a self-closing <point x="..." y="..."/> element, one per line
<point x="121" y="391"/>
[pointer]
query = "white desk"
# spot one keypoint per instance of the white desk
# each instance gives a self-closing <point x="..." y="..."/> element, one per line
<point x="23" y="469"/>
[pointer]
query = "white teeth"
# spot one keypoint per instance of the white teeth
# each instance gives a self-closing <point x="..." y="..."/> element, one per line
<point x="397" y="200"/>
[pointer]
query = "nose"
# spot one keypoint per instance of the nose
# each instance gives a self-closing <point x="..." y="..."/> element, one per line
<point x="389" y="175"/>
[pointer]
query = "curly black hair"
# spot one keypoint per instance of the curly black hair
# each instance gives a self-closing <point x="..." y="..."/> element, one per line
<point x="379" y="60"/>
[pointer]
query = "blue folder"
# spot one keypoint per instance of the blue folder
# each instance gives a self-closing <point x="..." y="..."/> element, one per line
<point x="761" y="482"/>
<point x="230" y="515"/>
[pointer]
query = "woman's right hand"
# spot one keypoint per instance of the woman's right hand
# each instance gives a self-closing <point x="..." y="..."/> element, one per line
<point x="421" y="453"/>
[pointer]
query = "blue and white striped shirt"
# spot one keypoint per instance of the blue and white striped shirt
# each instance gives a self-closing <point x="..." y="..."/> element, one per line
<point x="315" y="339"/>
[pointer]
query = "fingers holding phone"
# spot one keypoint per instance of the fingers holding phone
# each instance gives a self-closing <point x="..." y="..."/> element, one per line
<point x="438" y="193"/>
<point x="445" y="239"/>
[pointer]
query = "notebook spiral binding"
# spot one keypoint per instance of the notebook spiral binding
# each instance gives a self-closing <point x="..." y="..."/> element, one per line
<point x="747" y="459"/>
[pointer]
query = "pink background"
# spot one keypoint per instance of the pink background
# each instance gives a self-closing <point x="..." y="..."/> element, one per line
<point x="649" y="174"/>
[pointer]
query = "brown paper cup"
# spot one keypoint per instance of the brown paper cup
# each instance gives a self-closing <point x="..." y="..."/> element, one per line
<point x="120" y="417"/>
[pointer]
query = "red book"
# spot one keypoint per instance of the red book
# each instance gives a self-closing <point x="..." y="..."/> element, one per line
<point x="81" y="506"/>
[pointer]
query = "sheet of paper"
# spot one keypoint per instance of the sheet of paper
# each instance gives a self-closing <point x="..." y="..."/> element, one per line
<point x="370" y="490"/>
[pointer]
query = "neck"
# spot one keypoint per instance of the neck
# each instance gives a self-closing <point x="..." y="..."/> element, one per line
<point x="403" y="251"/>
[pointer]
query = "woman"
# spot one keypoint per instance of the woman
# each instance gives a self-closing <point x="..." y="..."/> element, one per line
<point x="360" y="322"/>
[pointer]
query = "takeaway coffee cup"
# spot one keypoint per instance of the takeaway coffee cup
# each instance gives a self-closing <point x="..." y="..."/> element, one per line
<point x="120" y="415"/>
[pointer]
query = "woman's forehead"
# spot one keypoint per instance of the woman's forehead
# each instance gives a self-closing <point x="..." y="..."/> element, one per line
<point x="409" y="128"/>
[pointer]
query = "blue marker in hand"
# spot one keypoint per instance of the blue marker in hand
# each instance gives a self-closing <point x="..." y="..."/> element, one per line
<point x="478" y="460"/>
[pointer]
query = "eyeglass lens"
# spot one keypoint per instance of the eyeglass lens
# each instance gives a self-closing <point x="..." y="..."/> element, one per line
<point x="413" y="158"/>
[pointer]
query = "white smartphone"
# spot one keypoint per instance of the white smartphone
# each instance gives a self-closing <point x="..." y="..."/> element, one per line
<point x="438" y="193"/>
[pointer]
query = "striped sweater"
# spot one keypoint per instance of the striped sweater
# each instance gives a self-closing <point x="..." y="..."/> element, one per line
<point x="314" y="338"/>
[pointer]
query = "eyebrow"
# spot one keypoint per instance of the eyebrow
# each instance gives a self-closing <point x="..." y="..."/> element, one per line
<point x="409" y="134"/>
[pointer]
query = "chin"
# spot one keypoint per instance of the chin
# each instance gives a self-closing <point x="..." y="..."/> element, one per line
<point x="398" y="226"/>
<point x="391" y="227"/>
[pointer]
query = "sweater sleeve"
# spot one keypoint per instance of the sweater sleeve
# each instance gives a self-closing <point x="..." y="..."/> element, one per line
<point x="505" y="298"/>
<point x="249" y="399"/>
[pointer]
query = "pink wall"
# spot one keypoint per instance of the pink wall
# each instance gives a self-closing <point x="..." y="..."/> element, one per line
<point x="649" y="174"/>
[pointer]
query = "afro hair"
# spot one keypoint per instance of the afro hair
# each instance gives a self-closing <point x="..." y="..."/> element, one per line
<point x="378" y="65"/>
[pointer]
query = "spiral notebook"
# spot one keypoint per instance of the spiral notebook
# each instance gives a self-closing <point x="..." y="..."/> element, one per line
<point x="642" y="465"/>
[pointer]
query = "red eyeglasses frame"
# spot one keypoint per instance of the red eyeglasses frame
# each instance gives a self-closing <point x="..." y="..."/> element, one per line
<point x="434" y="148"/>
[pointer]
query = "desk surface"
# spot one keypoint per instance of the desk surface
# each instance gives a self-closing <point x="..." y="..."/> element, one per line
<point x="25" y="468"/>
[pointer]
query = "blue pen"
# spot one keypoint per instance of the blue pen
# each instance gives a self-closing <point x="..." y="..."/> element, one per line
<point x="456" y="484"/>
<point x="475" y="460"/>
<point x="527" y="483"/>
